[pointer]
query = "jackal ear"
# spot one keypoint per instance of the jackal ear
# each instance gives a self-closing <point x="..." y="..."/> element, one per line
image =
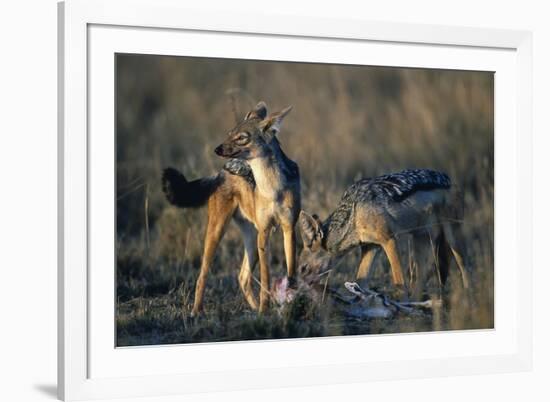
<point x="310" y="227"/>
<point x="272" y="124"/>
<point x="259" y="111"/>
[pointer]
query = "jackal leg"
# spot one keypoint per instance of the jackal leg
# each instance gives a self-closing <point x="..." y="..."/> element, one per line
<point x="219" y="212"/>
<point x="289" y="237"/>
<point x="432" y="255"/>
<point x="456" y="244"/>
<point x="263" y="240"/>
<point x="460" y="263"/>
<point x="390" y="248"/>
<point x="443" y="257"/>
<point x="422" y="257"/>
<point x="369" y="253"/>
<point x="250" y="258"/>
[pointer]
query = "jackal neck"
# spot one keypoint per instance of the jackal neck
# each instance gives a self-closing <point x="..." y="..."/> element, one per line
<point x="273" y="171"/>
<point x="339" y="229"/>
<point x="268" y="176"/>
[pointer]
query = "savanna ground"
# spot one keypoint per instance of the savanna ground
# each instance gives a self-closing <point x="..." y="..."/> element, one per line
<point x="348" y="122"/>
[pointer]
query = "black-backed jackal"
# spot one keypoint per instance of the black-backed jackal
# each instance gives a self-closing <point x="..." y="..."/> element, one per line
<point x="259" y="187"/>
<point x="374" y="212"/>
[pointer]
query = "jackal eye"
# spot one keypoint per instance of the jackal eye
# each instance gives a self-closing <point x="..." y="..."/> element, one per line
<point x="242" y="139"/>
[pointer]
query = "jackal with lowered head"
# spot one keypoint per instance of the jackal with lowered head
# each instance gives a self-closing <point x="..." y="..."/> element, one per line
<point x="259" y="187"/>
<point x="374" y="212"/>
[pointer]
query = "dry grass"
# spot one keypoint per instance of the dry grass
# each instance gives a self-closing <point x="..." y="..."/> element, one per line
<point x="348" y="122"/>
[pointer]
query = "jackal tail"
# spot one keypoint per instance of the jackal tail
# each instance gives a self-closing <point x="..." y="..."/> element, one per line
<point x="188" y="194"/>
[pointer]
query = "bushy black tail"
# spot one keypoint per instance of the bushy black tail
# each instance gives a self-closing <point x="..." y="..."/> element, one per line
<point x="187" y="194"/>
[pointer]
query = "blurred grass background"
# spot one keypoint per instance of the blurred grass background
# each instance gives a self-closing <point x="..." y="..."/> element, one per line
<point x="348" y="122"/>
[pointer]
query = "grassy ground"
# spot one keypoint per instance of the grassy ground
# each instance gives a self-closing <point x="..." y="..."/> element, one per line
<point x="348" y="122"/>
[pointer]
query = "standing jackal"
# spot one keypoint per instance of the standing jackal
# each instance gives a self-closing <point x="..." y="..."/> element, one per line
<point x="374" y="212"/>
<point x="259" y="187"/>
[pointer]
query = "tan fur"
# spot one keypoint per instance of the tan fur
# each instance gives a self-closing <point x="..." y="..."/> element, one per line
<point x="430" y="214"/>
<point x="221" y="206"/>
<point x="273" y="201"/>
<point x="272" y="208"/>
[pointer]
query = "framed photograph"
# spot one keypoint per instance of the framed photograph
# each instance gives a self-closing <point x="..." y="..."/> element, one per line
<point x="253" y="201"/>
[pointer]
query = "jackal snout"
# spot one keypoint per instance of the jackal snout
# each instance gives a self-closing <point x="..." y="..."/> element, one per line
<point x="219" y="150"/>
<point x="227" y="150"/>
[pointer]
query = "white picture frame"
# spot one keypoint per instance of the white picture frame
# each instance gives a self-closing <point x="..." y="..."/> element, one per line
<point x="90" y="367"/>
